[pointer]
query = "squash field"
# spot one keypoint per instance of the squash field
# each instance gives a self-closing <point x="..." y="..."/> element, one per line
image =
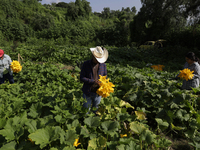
<point x="43" y="109"/>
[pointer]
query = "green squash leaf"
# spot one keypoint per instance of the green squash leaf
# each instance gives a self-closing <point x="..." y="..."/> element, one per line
<point x="162" y="124"/>
<point x="92" y="121"/>
<point x="137" y="127"/>
<point x="9" y="146"/>
<point x="32" y="126"/>
<point x="97" y="143"/>
<point x="109" y="127"/>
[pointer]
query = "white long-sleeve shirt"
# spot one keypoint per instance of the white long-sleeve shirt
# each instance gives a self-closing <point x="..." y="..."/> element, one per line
<point x="194" y="82"/>
<point x="5" y="65"/>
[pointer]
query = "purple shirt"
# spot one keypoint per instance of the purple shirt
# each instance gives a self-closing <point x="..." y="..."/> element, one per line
<point x="86" y="75"/>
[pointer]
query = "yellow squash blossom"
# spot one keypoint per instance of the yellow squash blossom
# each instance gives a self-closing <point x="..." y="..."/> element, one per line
<point x="76" y="143"/>
<point x="106" y="87"/>
<point x="123" y="135"/>
<point x="16" y="66"/>
<point x="186" y="74"/>
<point x="158" y="67"/>
<point x="31" y="141"/>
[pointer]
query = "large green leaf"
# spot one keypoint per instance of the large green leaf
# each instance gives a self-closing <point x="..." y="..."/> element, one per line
<point x="136" y="127"/>
<point x="162" y="143"/>
<point x="9" y="146"/>
<point x="109" y="127"/>
<point x="45" y="136"/>
<point x="112" y="144"/>
<point x="92" y="121"/>
<point x="41" y="137"/>
<point x="132" y="146"/>
<point x="2" y="122"/>
<point x="35" y="110"/>
<point x="14" y="127"/>
<point x="182" y="115"/>
<point x="70" y="137"/>
<point x="85" y="132"/>
<point x="147" y="136"/>
<point x="162" y="124"/>
<point x="69" y="148"/>
<point x="123" y="116"/>
<point x="120" y="147"/>
<point x="32" y="126"/>
<point x="8" y="134"/>
<point x="97" y="143"/>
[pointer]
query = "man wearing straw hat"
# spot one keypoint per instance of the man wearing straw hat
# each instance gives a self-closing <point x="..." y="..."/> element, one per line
<point x="5" y="71"/>
<point x="89" y="75"/>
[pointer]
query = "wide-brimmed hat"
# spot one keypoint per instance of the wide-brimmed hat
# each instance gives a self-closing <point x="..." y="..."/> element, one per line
<point x="1" y="52"/>
<point x="100" y="53"/>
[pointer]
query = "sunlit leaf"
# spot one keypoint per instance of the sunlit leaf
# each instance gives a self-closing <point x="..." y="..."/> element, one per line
<point x="137" y="127"/>
<point x="97" y="143"/>
<point x="126" y="104"/>
<point x="140" y="115"/>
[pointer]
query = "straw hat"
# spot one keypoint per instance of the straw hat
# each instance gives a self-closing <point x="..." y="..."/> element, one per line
<point x="100" y="53"/>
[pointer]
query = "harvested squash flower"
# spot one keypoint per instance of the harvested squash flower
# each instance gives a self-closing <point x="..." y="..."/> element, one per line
<point x="123" y="135"/>
<point x="106" y="87"/>
<point x="16" y="66"/>
<point x="31" y="141"/>
<point x="76" y="143"/>
<point x="158" y="67"/>
<point x="186" y="74"/>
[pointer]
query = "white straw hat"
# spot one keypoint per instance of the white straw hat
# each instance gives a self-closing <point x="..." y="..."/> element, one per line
<point x="100" y="53"/>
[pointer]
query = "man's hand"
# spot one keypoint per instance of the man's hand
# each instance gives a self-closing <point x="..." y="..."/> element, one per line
<point x="97" y="82"/>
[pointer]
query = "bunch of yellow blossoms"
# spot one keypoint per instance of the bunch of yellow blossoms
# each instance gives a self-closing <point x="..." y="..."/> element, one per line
<point x="106" y="87"/>
<point x="158" y="67"/>
<point x="186" y="74"/>
<point x="16" y="66"/>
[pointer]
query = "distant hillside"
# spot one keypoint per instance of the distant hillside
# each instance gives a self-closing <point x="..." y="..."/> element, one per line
<point x="73" y="23"/>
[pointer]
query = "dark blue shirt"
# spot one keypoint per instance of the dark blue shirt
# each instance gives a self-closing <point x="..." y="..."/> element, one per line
<point x="86" y="75"/>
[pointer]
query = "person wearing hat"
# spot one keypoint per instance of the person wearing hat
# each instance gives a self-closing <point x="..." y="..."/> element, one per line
<point x="89" y="75"/>
<point x="5" y="71"/>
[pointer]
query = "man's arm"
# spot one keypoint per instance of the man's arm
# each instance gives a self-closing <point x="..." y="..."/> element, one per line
<point x="83" y="77"/>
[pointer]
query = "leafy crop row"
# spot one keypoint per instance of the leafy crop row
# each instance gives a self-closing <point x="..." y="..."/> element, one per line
<point x="43" y="108"/>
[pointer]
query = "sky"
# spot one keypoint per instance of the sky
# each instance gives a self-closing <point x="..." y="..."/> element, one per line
<point x="98" y="5"/>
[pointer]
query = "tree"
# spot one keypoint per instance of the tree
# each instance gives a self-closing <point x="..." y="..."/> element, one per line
<point x="62" y="4"/>
<point x="133" y="9"/>
<point x="81" y="10"/>
<point x="156" y="18"/>
<point x="192" y="11"/>
<point x="106" y="12"/>
<point x="87" y="8"/>
<point x="72" y="11"/>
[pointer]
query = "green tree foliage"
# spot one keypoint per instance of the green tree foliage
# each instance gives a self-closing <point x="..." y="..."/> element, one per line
<point x="72" y="22"/>
<point x="81" y="8"/>
<point x="156" y="18"/>
<point x="62" y="4"/>
<point x="75" y="23"/>
<point x="192" y="10"/>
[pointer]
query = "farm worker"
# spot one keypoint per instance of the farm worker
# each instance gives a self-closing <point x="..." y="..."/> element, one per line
<point x="89" y="75"/>
<point x="192" y="63"/>
<point x="5" y="71"/>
